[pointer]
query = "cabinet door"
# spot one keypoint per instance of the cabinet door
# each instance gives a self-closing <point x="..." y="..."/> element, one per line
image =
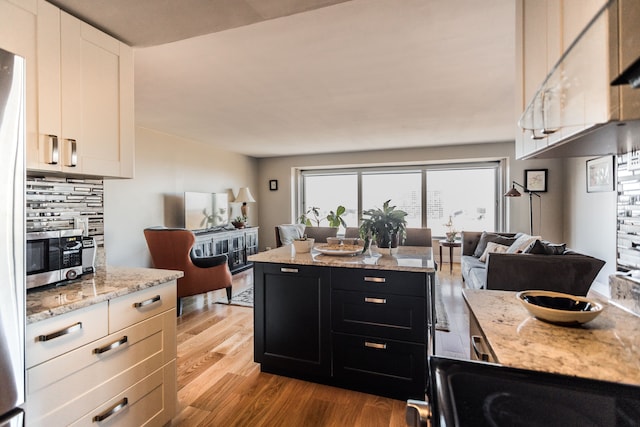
<point x="291" y="320"/>
<point x="91" y="96"/>
<point x="18" y="35"/>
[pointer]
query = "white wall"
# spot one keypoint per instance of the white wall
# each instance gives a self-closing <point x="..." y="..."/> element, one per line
<point x="277" y="205"/>
<point x="590" y="220"/>
<point x="166" y="167"/>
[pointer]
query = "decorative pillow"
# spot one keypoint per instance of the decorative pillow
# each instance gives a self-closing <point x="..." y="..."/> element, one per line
<point x="493" y="248"/>
<point x="290" y="232"/>
<point x="541" y="247"/>
<point x="522" y="243"/>
<point x="491" y="237"/>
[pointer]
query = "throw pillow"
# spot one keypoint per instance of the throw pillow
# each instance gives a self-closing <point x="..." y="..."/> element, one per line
<point x="522" y="243"/>
<point x="540" y="247"/>
<point x="493" y="248"/>
<point x="290" y="232"/>
<point x="491" y="237"/>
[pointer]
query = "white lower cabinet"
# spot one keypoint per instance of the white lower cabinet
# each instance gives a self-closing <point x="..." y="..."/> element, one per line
<point x="126" y="377"/>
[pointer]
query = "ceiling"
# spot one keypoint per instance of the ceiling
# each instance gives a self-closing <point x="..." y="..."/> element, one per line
<point x="286" y="77"/>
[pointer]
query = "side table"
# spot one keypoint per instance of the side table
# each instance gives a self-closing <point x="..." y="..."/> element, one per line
<point x="450" y="245"/>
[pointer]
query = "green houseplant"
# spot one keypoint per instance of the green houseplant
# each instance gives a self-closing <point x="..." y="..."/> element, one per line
<point x="386" y="226"/>
<point x="312" y="216"/>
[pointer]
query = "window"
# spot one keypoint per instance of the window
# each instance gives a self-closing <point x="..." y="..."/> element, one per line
<point x="430" y="194"/>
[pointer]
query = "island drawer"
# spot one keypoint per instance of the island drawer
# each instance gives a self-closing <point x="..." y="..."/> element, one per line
<point x="383" y="281"/>
<point x="397" y="317"/>
<point x="93" y="373"/>
<point x="137" y="306"/>
<point x="60" y="334"/>
<point x="386" y="367"/>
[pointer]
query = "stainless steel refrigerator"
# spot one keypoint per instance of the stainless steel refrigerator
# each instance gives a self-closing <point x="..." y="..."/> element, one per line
<point x="12" y="276"/>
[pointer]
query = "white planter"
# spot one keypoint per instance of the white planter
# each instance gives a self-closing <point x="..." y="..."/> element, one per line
<point x="303" y="246"/>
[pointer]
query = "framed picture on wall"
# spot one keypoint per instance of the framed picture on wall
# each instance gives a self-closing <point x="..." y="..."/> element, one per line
<point x="273" y="184"/>
<point x="600" y="174"/>
<point x="536" y="180"/>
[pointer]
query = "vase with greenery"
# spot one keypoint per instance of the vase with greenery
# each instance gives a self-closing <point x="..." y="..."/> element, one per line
<point x="239" y="222"/>
<point x="312" y="217"/>
<point x="386" y="227"/>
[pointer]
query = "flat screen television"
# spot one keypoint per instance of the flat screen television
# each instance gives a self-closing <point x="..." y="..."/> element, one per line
<point x="203" y="211"/>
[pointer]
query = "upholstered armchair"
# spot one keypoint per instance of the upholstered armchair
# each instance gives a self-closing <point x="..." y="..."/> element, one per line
<point x="172" y="249"/>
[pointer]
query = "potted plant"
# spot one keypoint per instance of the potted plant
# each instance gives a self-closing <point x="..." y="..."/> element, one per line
<point x="239" y="221"/>
<point x="303" y="244"/>
<point x="386" y="226"/>
<point x="312" y="216"/>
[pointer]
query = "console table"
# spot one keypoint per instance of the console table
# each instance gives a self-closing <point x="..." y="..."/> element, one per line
<point x="238" y="244"/>
<point x="364" y="322"/>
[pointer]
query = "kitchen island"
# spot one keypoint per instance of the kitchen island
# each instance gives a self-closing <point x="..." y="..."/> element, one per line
<point x="363" y="322"/>
<point x="103" y="348"/>
<point x="606" y="348"/>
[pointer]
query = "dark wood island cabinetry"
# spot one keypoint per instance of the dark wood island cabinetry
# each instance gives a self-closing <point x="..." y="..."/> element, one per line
<point x="363" y="322"/>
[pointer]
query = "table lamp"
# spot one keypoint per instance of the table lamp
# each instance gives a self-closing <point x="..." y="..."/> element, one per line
<point x="244" y="197"/>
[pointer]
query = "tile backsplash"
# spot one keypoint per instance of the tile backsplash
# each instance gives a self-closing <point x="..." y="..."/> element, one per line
<point x="60" y="203"/>
<point x="625" y="292"/>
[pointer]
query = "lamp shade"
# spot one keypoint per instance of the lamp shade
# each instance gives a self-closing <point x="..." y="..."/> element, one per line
<point x="244" y="196"/>
<point x="512" y="193"/>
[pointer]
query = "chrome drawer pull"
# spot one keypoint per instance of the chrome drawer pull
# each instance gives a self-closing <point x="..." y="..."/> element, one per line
<point x="376" y="300"/>
<point x="375" y="279"/>
<point x="375" y="345"/>
<point x="54" y="155"/>
<point x="114" y="409"/>
<point x="476" y="342"/>
<point x="111" y="346"/>
<point x="146" y="302"/>
<point x="60" y="333"/>
<point x="288" y="270"/>
<point x="73" y="153"/>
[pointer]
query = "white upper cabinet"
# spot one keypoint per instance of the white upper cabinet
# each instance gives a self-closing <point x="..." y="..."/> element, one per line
<point x="85" y="98"/>
<point x="18" y="35"/>
<point x="564" y="87"/>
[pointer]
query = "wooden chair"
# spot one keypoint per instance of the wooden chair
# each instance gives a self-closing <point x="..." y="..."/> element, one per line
<point x="351" y="232"/>
<point x="418" y="237"/>
<point x="172" y="249"/>
<point x="320" y="234"/>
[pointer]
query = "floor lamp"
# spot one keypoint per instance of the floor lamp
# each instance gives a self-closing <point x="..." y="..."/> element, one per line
<point x="515" y="193"/>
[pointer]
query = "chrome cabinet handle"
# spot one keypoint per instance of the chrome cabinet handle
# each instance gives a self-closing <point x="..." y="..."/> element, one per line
<point x="61" y="332"/>
<point x="476" y="343"/>
<point x="146" y="302"/>
<point x="113" y="410"/>
<point x="55" y="150"/>
<point x="375" y="300"/>
<point x="73" y="157"/>
<point x="288" y="270"/>
<point x="375" y="279"/>
<point x="111" y="346"/>
<point x="375" y="345"/>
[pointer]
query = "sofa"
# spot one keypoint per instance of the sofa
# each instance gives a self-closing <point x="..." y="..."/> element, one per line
<point x="536" y="265"/>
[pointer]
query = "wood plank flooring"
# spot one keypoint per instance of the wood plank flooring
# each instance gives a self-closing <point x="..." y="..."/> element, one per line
<point x="220" y="385"/>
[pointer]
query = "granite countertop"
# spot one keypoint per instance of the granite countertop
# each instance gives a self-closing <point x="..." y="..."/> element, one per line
<point x="606" y="348"/>
<point x="408" y="258"/>
<point x="107" y="283"/>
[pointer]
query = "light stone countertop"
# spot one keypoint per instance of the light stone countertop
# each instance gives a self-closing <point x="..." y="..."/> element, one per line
<point x="408" y="258"/>
<point x="606" y="348"/>
<point x="107" y="283"/>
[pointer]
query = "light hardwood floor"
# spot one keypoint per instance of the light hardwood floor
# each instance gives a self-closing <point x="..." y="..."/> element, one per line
<point x="220" y="385"/>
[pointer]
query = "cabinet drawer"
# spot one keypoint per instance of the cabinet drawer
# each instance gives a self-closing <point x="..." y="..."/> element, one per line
<point x="141" y="404"/>
<point x="80" y="380"/>
<point x="385" y="367"/>
<point x="381" y="315"/>
<point x="140" y="305"/>
<point x="55" y="336"/>
<point x="369" y="280"/>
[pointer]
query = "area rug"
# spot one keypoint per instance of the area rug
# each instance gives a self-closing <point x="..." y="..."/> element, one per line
<point x="245" y="299"/>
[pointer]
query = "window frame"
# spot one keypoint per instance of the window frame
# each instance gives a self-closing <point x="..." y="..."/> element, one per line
<point x="499" y="165"/>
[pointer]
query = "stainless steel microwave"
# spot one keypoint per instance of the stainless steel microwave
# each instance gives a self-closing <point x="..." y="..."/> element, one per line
<point x="53" y="256"/>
